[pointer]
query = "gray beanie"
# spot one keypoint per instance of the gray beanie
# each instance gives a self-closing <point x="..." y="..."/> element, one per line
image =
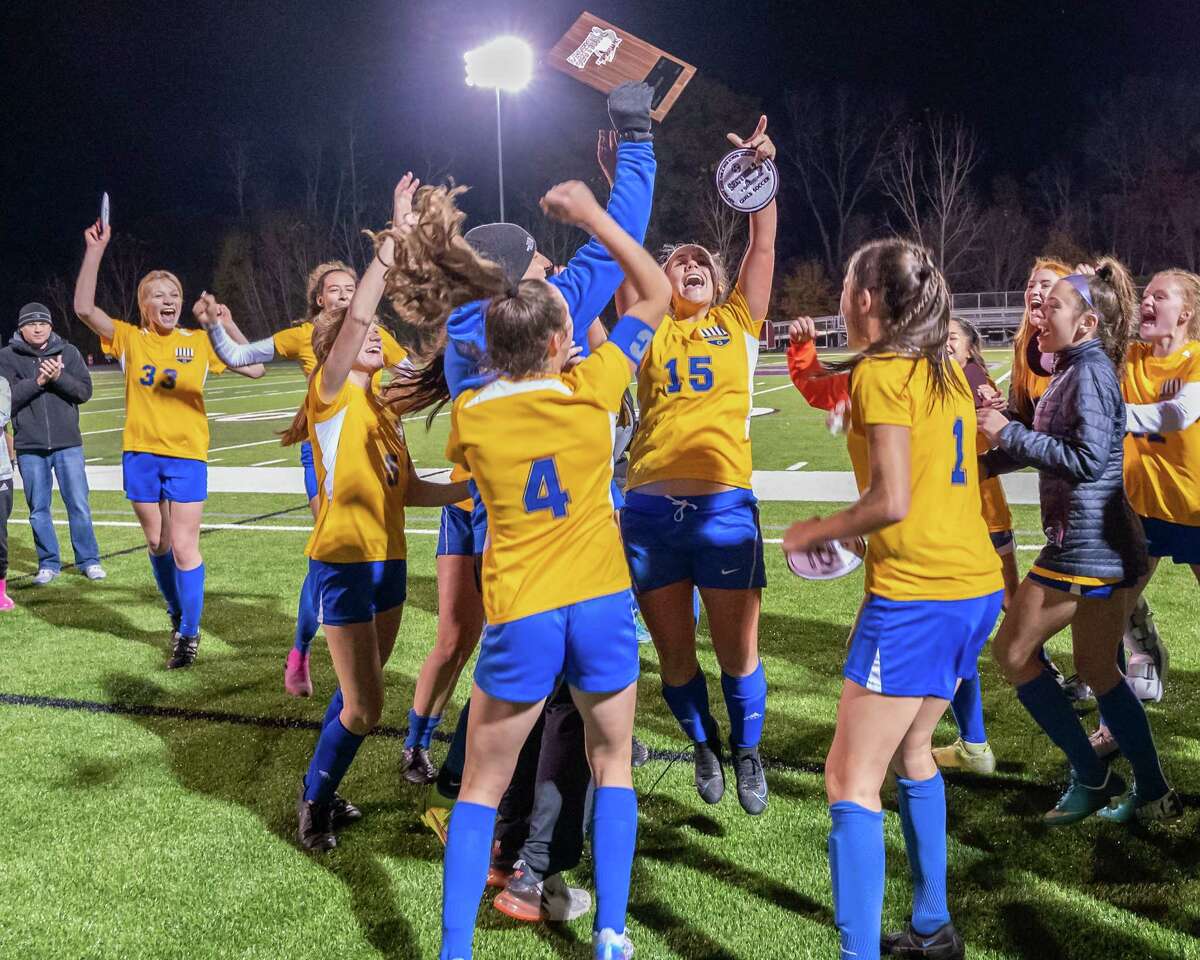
<point x="506" y="244"/>
<point x="33" y="313"/>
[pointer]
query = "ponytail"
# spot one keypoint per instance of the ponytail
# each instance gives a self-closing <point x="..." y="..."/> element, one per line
<point x="1114" y="300"/>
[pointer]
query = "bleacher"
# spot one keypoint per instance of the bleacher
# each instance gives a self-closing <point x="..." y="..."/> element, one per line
<point x="996" y="314"/>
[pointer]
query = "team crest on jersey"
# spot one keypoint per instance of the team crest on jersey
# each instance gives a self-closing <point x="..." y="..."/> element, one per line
<point x="184" y="354"/>
<point x="717" y="336"/>
<point x="1170" y="388"/>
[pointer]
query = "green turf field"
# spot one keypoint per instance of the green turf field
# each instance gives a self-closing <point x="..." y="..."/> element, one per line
<point x="140" y="834"/>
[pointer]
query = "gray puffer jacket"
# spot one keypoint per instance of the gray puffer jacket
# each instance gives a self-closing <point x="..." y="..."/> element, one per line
<point x="1077" y="446"/>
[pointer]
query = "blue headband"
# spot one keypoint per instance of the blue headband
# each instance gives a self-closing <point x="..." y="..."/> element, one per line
<point x="1080" y="283"/>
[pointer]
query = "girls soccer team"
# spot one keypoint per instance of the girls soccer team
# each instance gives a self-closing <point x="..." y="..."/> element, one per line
<point x="531" y="425"/>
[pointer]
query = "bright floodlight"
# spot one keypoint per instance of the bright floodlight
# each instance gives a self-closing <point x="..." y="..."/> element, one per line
<point x="505" y="63"/>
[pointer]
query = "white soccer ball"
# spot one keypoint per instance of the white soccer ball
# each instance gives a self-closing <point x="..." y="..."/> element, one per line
<point x="828" y="561"/>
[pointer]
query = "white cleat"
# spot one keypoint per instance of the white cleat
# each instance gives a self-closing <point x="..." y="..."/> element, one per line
<point x="609" y="945"/>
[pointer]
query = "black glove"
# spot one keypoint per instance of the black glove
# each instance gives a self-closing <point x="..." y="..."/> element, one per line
<point x="629" y="111"/>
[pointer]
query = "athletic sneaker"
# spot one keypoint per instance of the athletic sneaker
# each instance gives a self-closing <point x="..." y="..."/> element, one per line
<point x="972" y="757"/>
<point x="1081" y="801"/>
<point x="417" y="767"/>
<point x="1141" y="637"/>
<point x="44" y="576"/>
<point x="1103" y="742"/>
<point x="610" y="945"/>
<point x="93" y="571"/>
<point x="1143" y="678"/>
<point x="943" y="944"/>
<point x="342" y="812"/>
<point x="640" y="755"/>
<point x="1076" y="690"/>
<point x="315" y="829"/>
<point x="710" y="778"/>
<point x="751" y="781"/>
<point x="531" y="900"/>
<point x="183" y="650"/>
<point x="296" y="681"/>
<point x="1130" y="807"/>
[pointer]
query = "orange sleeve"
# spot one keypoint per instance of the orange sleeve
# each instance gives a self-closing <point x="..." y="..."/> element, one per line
<point x="822" y="392"/>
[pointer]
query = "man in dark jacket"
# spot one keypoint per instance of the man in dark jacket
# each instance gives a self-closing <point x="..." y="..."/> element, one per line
<point x="49" y="381"/>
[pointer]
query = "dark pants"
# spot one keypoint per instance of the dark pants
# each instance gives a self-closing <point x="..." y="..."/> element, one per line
<point x="541" y="816"/>
<point x="6" y="494"/>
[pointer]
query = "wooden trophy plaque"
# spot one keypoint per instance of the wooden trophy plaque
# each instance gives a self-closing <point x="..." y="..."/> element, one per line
<point x="604" y="56"/>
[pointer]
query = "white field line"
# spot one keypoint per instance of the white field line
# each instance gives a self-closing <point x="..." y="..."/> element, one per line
<point x="759" y="393"/>
<point x="94" y="433"/>
<point x="798" y="464"/>
<point x="254" y="527"/>
<point x="239" y="446"/>
<point x="268" y="463"/>
<point x="1004" y="376"/>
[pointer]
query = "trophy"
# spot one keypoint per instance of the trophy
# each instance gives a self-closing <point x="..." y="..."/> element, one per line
<point x="604" y="56"/>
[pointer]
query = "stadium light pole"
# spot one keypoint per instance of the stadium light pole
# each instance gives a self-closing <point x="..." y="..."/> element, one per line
<point x="505" y="63"/>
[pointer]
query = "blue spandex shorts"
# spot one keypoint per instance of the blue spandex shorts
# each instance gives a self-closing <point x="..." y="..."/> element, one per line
<point x="355" y="592"/>
<point x="152" y="478"/>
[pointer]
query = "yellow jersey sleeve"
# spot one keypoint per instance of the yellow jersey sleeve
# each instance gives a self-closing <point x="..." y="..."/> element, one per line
<point x="295" y="343"/>
<point x="116" y="346"/>
<point x="879" y="392"/>
<point x="734" y="313"/>
<point x="393" y="353"/>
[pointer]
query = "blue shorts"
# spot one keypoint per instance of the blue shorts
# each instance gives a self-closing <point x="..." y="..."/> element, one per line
<point x="151" y="478"/>
<point x="356" y="592"/>
<point x="919" y="648"/>
<point x="713" y="540"/>
<point x="618" y="495"/>
<point x="456" y="536"/>
<point x="592" y="642"/>
<point x="1175" y="540"/>
<point x="1095" y="591"/>
<point x="478" y="519"/>
<point x="310" y="470"/>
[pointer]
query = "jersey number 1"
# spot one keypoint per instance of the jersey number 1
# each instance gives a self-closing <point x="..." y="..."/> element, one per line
<point x="958" y="476"/>
<point x="543" y="490"/>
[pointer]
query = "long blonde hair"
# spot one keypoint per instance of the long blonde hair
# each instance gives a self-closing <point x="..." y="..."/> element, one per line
<point x="1024" y="381"/>
<point x="143" y="296"/>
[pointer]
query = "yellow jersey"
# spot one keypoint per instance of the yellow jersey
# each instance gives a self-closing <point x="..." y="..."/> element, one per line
<point x="941" y="549"/>
<point x="295" y="343"/>
<point x="458" y="474"/>
<point x="1162" y="470"/>
<point x="362" y="469"/>
<point x="694" y="399"/>
<point x="540" y="451"/>
<point x="164" y="388"/>
<point x="996" y="513"/>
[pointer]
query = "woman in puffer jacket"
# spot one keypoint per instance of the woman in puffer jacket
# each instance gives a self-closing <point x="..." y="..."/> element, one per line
<point x="1095" y="549"/>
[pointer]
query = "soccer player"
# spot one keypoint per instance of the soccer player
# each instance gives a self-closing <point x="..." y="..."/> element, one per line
<point x="933" y="591"/>
<point x="690" y="518"/>
<point x="357" y="549"/>
<point x="1161" y="387"/>
<point x="165" y="442"/>
<point x="1095" y="549"/>
<point x="330" y="286"/>
<point x="537" y="441"/>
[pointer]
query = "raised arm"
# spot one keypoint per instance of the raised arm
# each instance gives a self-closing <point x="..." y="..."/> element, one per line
<point x="757" y="273"/>
<point x="231" y="353"/>
<point x="363" y="306"/>
<point x="96" y="239"/>
<point x="650" y="291"/>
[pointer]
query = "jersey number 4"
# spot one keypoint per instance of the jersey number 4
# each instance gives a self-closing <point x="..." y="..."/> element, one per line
<point x="166" y="381"/>
<point x="700" y="374"/>
<point x="543" y="490"/>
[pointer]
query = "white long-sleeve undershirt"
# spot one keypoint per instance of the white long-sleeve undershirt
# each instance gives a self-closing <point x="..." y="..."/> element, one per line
<point x="1167" y="416"/>
<point x="240" y="354"/>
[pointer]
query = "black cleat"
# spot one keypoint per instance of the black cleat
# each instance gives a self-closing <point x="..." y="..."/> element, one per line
<point x="183" y="650"/>
<point x="640" y="755"/>
<point x="342" y="812"/>
<point x="315" y="831"/>
<point x="417" y="767"/>
<point x="751" y="781"/>
<point x="710" y="778"/>
<point x="943" y="944"/>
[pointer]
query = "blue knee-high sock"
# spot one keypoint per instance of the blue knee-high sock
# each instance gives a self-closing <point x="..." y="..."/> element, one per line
<point x="689" y="704"/>
<point x="306" y="616"/>
<point x="334" y="709"/>
<point x="420" y="729"/>
<point x="856" y="864"/>
<point x="1127" y="722"/>
<point x="164" y="575"/>
<point x="1049" y="706"/>
<point x="967" y="707"/>
<point x="614" y="837"/>
<point x="190" y="584"/>
<point x="746" y="701"/>
<point x="464" y="874"/>
<point x="335" y="752"/>
<point x="923" y="817"/>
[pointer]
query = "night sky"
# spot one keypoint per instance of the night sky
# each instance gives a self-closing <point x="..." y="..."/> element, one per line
<point x="140" y="99"/>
